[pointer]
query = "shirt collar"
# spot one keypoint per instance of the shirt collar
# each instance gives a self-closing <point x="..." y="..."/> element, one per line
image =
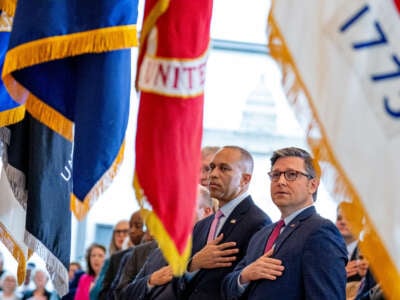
<point x="231" y="205"/>
<point x="351" y="247"/>
<point x="293" y="215"/>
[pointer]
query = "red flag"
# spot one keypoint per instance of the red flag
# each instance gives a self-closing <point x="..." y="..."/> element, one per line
<point x="171" y="74"/>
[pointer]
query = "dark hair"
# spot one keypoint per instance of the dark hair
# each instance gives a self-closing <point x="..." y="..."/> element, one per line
<point x="246" y="158"/>
<point x="89" y="250"/>
<point x="312" y="167"/>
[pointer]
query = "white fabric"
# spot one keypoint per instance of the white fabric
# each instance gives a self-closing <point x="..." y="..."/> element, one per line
<point x="363" y="136"/>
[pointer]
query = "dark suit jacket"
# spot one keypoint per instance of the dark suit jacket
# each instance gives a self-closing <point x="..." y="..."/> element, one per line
<point x="241" y="224"/>
<point x="138" y="290"/>
<point x="314" y="256"/>
<point x="112" y="271"/>
<point x="133" y="262"/>
<point x="354" y="256"/>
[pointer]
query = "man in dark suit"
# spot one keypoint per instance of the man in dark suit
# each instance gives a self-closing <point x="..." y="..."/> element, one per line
<point x="135" y="234"/>
<point x="155" y="280"/>
<point x="218" y="244"/>
<point x="304" y="260"/>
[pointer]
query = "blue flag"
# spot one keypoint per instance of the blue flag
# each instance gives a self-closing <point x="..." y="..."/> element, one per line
<point x="68" y="64"/>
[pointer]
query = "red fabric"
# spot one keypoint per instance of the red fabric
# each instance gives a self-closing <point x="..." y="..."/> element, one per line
<point x="170" y="124"/>
<point x="274" y="235"/>
<point x="397" y="3"/>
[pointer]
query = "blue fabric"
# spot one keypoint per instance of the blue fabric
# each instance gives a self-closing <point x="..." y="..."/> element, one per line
<point x="41" y="154"/>
<point x="314" y="256"/>
<point x="6" y="102"/>
<point x="91" y="90"/>
<point x="61" y="17"/>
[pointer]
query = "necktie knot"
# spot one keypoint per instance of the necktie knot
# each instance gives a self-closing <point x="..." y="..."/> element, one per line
<point x="218" y="214"/>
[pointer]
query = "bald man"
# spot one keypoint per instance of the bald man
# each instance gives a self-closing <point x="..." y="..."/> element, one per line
<point x="220" y="240"/>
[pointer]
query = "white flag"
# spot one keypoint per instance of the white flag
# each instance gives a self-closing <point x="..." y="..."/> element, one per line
<point x="12" y="212"/>
<point x="341" y="68"/>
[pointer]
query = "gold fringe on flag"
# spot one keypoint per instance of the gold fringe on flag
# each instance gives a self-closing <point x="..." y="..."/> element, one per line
<point x="80" y="208"/>
<point x="16" y="252"/>
<point x="12" y="116"/>
<point x="177" y="261"/>
<point x="8" y="6"/>
<point x="372" y="246"/>
<point x="52" y="48"/>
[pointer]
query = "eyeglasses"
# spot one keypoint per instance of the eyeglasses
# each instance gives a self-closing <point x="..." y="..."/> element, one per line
<point x="121" y="231"/>
<point x="290" y="175"/>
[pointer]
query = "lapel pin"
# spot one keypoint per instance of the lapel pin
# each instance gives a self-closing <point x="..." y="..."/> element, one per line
<point x="233" y="221"/>
<point x="292" y="225"/>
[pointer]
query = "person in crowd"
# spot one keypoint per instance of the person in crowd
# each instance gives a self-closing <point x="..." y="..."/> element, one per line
<point x="353" y="252"/>
<point x="9" y="283"/>
<point x="359" y="277"/>
<point x="207" y="154"/>
<point x="154" y="281"/>
<point x="303" y="256"/>
<point x="1" y="265"/>
<point x="375" y="293"/>
<point x="220" y="240"/>
<point x="28" y="284"/>
<point x="205" y="205"/>
<point x="40" y="279"/>
<point x="74" y="274"/>
<point x="74" y="266"/>
<point x="136" y="232"/>
<point x="95" y="256"/>
<point x="119" y="235"/>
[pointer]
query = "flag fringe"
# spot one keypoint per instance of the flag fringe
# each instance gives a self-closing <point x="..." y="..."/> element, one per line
<point x="8" y="6"/>
<point x="5" y="136"/>
<point x="52" y="48"/>
<point x="58" y="272"/>
<point x="39" y="109"/>
<point x="177" y="261"/>
<point x="17" y="182"/>
<point x="16" y="252"/>
<point x="372" y="246"/>
<point x="12" y="116"/>
<point x="62" y="46"/>
<point x="81" y="207"/>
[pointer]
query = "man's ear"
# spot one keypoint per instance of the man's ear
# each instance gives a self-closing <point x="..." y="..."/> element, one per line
<point x="314" y="183"/>
<point x="246" y="177"/>
<point x="207" y="211"/>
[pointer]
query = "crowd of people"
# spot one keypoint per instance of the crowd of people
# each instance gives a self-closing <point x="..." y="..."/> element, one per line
<point x="237" y="251"/>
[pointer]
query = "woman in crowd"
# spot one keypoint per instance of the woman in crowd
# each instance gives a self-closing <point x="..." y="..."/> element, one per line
<point x="8" y="282"/>
<point x="119" y="235"/>
<point x="95" y="256"/>
<point x="40" y="278"/>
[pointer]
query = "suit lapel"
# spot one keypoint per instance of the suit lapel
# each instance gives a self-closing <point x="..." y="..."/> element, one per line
<point x="292" y="227"/>
<point x="236" y="216"/>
